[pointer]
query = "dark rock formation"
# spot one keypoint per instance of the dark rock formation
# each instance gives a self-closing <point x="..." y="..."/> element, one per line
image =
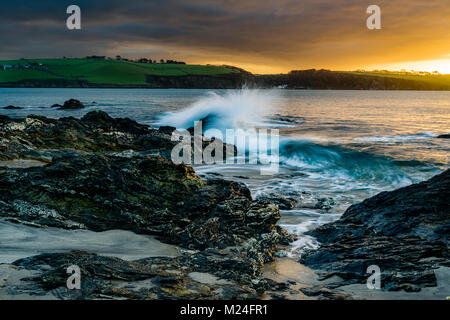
<point x="34" y="136"/>
<point x="72" y="104"/>
<point x="114" y="278"/>
<point x="404" y="232"/>
<point x="106" y="173"/>
<point x="12" y="108"/>
<point x="143" y="194"/>
<point x="444" y="136"/>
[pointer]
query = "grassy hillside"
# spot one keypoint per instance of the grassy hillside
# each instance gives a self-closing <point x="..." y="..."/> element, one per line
<point x="114" y="73"/>
<point x="102" y="71"/>
<point x="432" y="79"/>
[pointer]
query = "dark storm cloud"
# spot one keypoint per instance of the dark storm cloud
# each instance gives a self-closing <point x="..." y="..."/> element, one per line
<point x="280" y="33"/>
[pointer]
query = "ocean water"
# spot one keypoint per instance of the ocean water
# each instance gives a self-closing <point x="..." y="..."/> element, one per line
<point x="344" y="145"/>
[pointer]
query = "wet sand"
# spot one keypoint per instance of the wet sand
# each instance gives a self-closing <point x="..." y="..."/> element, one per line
<point x="19" y="241"/>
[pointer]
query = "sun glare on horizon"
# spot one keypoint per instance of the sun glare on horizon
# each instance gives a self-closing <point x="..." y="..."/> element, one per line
<point x="440" y="65"/>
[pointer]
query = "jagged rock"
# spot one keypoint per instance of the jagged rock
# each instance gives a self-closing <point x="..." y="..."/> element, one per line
<point x="106" y="173"/>
<point x="404" y="232"/>
<point x="95" y="132"/>
<point x="114" y="278"/>
<point x="72" y="104"/>
<point x="144" y="194"/>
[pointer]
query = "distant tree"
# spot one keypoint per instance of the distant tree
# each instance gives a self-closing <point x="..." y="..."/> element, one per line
<point x="144" y="60"/>
<point x="161" y="61"/>
<point x="96" y="57"/>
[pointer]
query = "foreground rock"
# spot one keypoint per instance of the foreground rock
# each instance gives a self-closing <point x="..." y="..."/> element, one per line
<point x="105" y="174"/>
<point x="113" y="278"/>
<point x="41" y="138"/>
<point x="144" y="194"/>
<point x="404" y="232"/>
<point x="231" y="236"/>
<point x="444" y="136"/>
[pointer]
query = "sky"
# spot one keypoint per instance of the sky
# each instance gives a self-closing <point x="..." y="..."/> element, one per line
<point x="257" y="35"/>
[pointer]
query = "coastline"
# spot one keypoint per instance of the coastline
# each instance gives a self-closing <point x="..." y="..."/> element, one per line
<point x="294" y="80"/>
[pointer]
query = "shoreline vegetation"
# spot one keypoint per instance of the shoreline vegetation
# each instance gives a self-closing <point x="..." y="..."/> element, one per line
<point x="104" y="73"/>
<point x="100" y="174"/>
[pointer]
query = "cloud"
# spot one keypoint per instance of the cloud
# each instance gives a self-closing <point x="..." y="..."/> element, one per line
<point x="279" y="35"/>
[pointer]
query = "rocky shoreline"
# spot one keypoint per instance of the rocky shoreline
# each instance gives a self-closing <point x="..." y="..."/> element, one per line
<point x="403" y="232"/>
<point x="102" y="174"/>
<point x="99" y="173"/>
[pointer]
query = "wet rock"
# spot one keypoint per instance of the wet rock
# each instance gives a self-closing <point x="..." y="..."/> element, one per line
<point x="404" y="232"/>
<point x="325" y="203"/>
<point x="36" y="215"/>
<point x="56" y="105"/>
<point x="105" y="173"/>
<point x="444" y="136"/>
<point x="12" y="108"/>
<point x="167" y="129"/>
<point x="144" y="194"/>
<point x="96" y="132"/>
<point x="283" y="202"/>
<point x="114" y="278"/>
<point x="72" y="104"/>
<point x="322" y="293"/>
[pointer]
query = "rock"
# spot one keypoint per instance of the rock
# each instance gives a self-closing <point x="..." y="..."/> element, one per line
<point x="404" y="232"/>
<point x="114" y="278"/>
<point x="105" y="173"/>
<point x="12" y="108"/>
<point x="167" y="129"/>
<point x="95" y="132"/>
<point x="283" y="202"/>
<point x="144" y="194"/>
<point x="444" y="136"/>
<point x="325" y="293"/>
<point x="325" y="203"/>
<point x="56" y="105"/>
<point x="72" y="104"/>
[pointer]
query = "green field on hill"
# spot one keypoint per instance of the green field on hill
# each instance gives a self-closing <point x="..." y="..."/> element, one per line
<point x="112" y="72"/>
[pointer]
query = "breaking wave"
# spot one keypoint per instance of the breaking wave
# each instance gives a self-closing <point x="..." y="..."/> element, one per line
<point x="235" y="109"/>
